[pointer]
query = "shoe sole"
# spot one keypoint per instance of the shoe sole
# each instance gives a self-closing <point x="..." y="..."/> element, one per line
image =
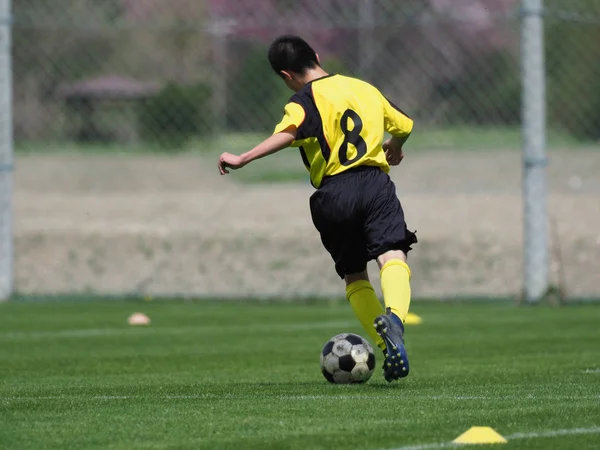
<point x="397" y="363"/>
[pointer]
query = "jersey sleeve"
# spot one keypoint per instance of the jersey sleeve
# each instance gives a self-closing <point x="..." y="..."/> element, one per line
<point x="294" y="116"/>
<point x="396" y="122"/>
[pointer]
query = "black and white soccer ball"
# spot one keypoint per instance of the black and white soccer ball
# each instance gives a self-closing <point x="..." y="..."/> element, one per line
<point x="347" y="358"/>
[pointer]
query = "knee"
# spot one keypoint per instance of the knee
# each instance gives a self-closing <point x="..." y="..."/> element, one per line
<point x="359" y="276"/>
<point x="388" y="256"/>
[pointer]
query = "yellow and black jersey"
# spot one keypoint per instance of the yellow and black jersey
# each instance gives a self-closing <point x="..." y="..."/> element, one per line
<point x="340" y="124"/>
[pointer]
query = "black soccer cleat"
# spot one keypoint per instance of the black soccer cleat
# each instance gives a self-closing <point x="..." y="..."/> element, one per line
<point x="391" y="330"/>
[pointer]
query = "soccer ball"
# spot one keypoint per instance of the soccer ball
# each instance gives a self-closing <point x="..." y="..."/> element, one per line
<point x="347" y="358"/>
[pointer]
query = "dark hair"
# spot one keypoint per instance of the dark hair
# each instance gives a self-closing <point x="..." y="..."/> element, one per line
<point x="292" y="53"/>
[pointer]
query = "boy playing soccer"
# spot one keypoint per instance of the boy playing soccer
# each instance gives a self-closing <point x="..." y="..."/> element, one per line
<point x="338" y="124"/>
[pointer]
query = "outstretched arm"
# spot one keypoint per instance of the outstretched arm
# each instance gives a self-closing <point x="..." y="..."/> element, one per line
<point x="271" y="145"/>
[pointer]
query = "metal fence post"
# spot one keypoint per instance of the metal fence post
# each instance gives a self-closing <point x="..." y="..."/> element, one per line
<point x="534" y="151"/>
<point x="6" y="152"/>
<point x="367" y="39"/>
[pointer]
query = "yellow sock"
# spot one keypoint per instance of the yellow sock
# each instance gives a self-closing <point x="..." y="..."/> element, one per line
<point x="395" y="284"/>
<point x="366" y="306"/>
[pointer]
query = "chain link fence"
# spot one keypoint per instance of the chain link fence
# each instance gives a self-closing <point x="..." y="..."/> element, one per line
<point x="121" y="108"/>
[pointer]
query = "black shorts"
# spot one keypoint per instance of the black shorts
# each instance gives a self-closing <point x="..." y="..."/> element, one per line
<point x="359" y="218"/>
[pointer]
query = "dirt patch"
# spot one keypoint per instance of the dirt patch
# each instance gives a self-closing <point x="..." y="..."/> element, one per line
<point x="170" y="225"/>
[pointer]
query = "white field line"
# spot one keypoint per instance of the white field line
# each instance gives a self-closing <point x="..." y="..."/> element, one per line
<point x="211" y="396"/>
<point x="437" y="397"/>
<point x="426" y="446"/>
<point x="200" y="329"/>
<point x="208" y="396"/>
<point x="591" y="371"/>
<point x="554" y="433"/>
<point x="384" y="396"/>
<point x="510" y="437"/>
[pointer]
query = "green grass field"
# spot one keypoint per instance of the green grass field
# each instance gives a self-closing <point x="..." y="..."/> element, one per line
<point x="208" y="375"/>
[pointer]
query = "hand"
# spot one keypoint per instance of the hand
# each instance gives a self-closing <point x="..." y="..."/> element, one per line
<point x="393" y="152"/>
<point x="229" y="160"/>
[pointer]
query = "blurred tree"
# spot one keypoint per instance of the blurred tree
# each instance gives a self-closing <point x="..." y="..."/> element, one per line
<point x="257" y="97"/>
<point x="157" y="40"/>
<point x="175" y="115"/>
<point x="573" y="67"/>
<point x="50" y="46"/>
